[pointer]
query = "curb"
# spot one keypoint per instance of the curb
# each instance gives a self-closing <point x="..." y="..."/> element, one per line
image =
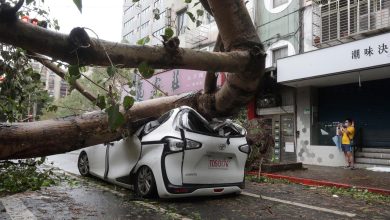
<point x="312" y="182"/>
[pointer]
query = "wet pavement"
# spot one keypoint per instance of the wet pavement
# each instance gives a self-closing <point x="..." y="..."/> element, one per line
<point x="357" y="177"/>
<point x="91" y="198"/>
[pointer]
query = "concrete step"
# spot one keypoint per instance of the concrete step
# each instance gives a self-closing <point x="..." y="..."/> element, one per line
<point x="373" y="161"/>
<point x="365" y="165"/>
<point x="376" y="150"/>
<point x="373" y="155"/>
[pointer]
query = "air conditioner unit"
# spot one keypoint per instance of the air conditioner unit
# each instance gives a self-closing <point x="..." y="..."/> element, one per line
<point x="378" y="20"/>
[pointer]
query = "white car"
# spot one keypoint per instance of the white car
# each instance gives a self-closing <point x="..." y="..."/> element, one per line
<point x="179" y="154"/>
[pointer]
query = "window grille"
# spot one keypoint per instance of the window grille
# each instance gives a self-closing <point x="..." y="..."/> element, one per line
<point x="342" y="20"/>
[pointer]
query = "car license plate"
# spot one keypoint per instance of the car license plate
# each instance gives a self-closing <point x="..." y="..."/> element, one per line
<point x="219" y="164"/>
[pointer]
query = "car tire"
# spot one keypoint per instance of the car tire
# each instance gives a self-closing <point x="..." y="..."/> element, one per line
<point x="145" y="184"/>
<point x="83" y="164"/>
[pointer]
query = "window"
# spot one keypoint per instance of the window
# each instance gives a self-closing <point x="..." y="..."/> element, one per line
<point x="279" y="53"/>
<point x="193" y="122"/>
<point x="181" y="21"/>
<point x="277" y="3"/>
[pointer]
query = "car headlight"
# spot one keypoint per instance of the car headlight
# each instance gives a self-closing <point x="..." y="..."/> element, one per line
<point x="192" y="144"/>
<point x="245" y="148"/>
<point x="175" y="144"/>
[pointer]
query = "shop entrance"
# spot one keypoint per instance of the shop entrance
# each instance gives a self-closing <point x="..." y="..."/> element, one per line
<point x="367" y="104"/>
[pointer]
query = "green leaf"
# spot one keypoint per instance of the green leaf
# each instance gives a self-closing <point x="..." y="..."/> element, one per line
<point x="130" y="84"/>
<point x="198" y="23"/>
<point x="199" y="12"/>
<point x="36" y="76"/>
<point x="196" y="4"/>
<point x="128" y="101"/>
<point x="143" y="41"/>
<point x="111" y="70"/>
<point x="79" y="4"/>
<point x="29" y="2"/>
<point x="168" y="33"/>
<point x="135" y="0"/>
<point x="187" y="1"/>
<point x="132" y="92"/>
<point x="101" y="102"/>
<point x="52" y="108"/>
<point x="115" y="117"/>
<point x="145" y="70"/>
<point x="192" y="17"/>
<point x="74" y="71"/>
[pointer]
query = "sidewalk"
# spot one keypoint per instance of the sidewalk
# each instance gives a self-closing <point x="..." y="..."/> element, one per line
<point x="378" y="182"/>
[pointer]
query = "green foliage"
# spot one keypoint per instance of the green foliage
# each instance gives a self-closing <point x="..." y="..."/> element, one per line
<point x="101" y="102"/>
<point x="145" y="70"/>
<point x="187" y="1"/>
<point x="191" y="16"/>
<point x="111" y="70"/>
<point x="24" y="175"/>
<point x="21" y="89"/>
<point x="115" y="117"/>
<point x="361" y="194"/>
<point x="128" y="102"/>
<point x="143" y="41"/>
<point x="168" y="33"/>
<point x="79" y="5"/>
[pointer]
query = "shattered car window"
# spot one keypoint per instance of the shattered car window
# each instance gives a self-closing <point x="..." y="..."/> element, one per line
<point x="193" y="122"/>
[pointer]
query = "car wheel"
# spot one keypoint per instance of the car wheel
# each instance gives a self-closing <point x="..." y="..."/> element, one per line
<point x="145" y="184"/>
<point x="83" y="164"/>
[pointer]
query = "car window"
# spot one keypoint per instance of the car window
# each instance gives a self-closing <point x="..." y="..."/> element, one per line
<point x="152" y="125"/>
<point x="193" y="122"/>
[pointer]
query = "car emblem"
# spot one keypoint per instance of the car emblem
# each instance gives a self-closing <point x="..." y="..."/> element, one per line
<point x="222" y="147"/>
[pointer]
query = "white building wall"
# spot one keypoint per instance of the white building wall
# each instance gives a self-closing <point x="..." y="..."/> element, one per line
<point x="307" y="153"/>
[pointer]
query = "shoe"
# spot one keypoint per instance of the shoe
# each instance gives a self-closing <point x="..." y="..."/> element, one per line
<point x="347" y="167"/>
<point x="352" y="168"/>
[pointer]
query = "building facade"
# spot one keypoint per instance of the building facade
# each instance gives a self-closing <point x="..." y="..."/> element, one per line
<point x="335" y="66"/>
<point x="139" y="22"/>
<point x="55" y="85"/>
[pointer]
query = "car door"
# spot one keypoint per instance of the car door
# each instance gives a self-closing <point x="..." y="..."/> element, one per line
<point x="122" y="157"/>
<point x="97" y="159"/>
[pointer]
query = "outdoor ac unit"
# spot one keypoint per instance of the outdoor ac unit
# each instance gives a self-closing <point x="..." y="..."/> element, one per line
<point x="378" y="19"/>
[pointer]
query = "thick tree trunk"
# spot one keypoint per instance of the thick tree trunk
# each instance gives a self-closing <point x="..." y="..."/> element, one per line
<point x="60" y="47"/>
<point x="42" y="138"/>
<point x="246" y="61"/>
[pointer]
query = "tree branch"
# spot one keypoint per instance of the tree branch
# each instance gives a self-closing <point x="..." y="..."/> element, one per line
<point x="58" y="46"/>
<point x="210" y="81"/>
<point x="61" y="74"/>
<point x="42" y="138"/>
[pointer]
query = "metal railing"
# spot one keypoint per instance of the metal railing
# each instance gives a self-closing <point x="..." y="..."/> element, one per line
<point x="338" y="21"/>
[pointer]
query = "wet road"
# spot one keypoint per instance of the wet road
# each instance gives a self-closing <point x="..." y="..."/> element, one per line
<point x="89" y="198"/>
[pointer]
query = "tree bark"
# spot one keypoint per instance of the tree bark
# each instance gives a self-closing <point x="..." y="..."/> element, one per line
<point x="61" y="74"/>
<point x="58" y="46"/>
<point x="210" y="82"/>
<point x="42" y="138"/>
<point x="246" y="59"/>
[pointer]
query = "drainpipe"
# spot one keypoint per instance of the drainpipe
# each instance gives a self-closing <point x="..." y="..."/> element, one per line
<point x="301" y="26"/>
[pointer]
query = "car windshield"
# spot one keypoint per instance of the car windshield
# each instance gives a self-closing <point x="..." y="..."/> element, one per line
<point x="196" y="123"/>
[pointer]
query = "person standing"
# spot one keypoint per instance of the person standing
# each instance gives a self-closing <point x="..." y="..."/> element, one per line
<point x="348" y="133"/>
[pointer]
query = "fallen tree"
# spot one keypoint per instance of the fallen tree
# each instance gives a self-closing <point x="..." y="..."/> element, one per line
<point x="243" y="58"/>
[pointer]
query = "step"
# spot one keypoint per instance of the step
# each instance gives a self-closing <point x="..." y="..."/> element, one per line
<point x="376" y="150"/>
<point x="365" y="165"/>
<point x="373" y="155"/>
<point x="373" y="161"/>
